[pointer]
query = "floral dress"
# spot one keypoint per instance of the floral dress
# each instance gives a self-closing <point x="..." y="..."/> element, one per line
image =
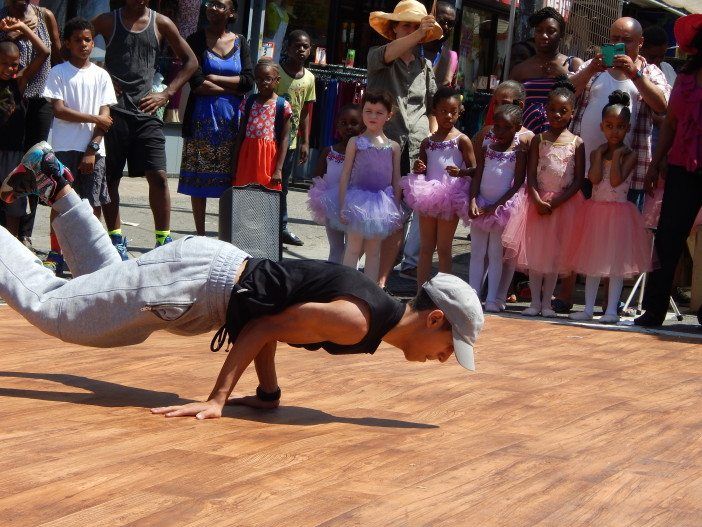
<point x="258" y="151"/>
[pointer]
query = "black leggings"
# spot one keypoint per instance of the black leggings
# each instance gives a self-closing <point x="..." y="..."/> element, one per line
<point x="38" y="124"/>
<point x="682" y="200"/>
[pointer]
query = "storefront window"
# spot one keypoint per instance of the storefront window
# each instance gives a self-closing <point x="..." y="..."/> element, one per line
<point x="474" y="50"/>
<point x="483" y="47"/>
<point x="309" y="15"/>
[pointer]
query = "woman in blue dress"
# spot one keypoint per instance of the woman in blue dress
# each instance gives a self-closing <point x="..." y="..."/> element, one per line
<point x="211" y="120"/>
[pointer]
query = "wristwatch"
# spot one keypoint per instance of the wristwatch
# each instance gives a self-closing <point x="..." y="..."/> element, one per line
<point x="638" y="75"/>
<point x="94" y="146"/>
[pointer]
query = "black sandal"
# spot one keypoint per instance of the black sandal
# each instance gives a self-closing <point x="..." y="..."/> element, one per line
<point x="561" y="306"/>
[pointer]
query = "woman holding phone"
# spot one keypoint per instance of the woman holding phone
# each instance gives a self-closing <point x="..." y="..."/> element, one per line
<point x="538" y="73"/>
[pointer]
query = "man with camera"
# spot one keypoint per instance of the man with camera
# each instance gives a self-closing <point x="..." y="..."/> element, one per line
<point x="620" y="67"/>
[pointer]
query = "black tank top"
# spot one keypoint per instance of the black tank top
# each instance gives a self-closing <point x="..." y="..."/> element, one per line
<point x="267" y="287"/>
<point x="130" y="59"/>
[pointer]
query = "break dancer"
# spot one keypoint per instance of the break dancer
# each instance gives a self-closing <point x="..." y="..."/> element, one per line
<point x="197" y="284"/>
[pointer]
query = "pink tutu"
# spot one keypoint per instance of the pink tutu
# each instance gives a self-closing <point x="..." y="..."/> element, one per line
<point x="537" y="242"/>
<point x="372" y="214"/>
<point x="500" y="217"/>
<point x="612" y="240"/>
<point x="440" y="198"/>
<point x="323" y="200"/>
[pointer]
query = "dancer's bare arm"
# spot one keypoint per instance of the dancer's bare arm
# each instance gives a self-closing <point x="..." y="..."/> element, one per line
<point x="340" y="321"/>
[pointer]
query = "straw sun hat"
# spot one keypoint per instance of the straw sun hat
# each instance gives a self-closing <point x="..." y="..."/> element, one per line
<point x="405" y="11"/>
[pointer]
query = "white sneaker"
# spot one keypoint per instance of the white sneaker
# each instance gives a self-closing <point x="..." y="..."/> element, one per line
<point x="492" y="307"/>
<point x="609" y="319"/>
<point x="581" y="316"/>
<point x="549" y="313"/>
<point x="531" y="312"/>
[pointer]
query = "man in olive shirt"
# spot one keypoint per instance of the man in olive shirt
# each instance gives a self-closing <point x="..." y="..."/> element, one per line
<point x="400" y="68"/>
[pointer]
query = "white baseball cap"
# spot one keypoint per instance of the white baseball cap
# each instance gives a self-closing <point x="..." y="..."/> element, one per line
<point x="461" y="306"/>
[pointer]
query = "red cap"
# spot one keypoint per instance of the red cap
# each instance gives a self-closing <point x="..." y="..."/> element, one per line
<point x="686" y="29"/>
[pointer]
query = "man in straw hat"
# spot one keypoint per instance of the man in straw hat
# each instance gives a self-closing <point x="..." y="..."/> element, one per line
<point x="400" y="68"/>
<point x="198" y="284"/>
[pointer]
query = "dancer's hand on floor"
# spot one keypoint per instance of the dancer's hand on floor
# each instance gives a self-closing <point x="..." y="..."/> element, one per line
<point x="206" y="410"/>
<point x="253" y="402"/>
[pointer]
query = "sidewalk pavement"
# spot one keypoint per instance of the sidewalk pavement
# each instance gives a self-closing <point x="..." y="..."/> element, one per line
<point x="138" y="227"/>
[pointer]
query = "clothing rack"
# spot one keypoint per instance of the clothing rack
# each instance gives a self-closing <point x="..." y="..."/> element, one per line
<point x="335" y="86"/>
<point x="337" y="71"/>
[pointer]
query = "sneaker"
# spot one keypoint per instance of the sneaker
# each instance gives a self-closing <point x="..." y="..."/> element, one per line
<point x="48" y="173"/>
<point x="290" y="238"/>
<point x="549" y="313"/>
<point x="531" y="312"/>
<point x="54" y="261"/>
<point x="120" y="243"/>
<point x="166" y="240"/>
<point x="40" y="174"/>
<point x="410" y="273"/>
<point x="609" y="319"/>
<point x="581" y="316"/>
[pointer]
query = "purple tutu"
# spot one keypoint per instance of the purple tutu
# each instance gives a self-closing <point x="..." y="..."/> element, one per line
<point x="323" y="201"/>
<point x="499" y="218"/>
<point x="440" y="198"/>
<point x="372" y="214"/>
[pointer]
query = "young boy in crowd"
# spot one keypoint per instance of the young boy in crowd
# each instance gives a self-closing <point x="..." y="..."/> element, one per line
<point x="81" y="94"/>
<point x="297" y="87"/>
<point x="12" y="110"/>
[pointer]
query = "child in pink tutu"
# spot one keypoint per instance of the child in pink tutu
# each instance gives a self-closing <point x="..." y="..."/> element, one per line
<point x="369" y="188"/>
<point x="612" y="239"/>
<point x="438" y="187"/>
<point x="323" y="196"/>
<point x="494" y="197"/>
<point x="537" y="234"/>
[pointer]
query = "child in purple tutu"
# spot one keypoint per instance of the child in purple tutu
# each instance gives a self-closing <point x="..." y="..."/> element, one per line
<point x="369" y="189"/>
<point x="323" y="197"/>
<point x="495" y="195"/>
<point x="438" y="187"/>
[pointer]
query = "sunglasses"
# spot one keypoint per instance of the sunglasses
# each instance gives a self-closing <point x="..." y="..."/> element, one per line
<point x="217" y="6"/>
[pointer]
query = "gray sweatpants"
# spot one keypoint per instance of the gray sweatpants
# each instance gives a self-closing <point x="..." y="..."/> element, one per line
<point x="182" y="287"/>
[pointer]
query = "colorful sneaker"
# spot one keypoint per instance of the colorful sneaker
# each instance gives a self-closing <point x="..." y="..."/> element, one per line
<point x="120" y="243"/>
<point x="166" y="240"/>
<point x="40" y="174"/>
<point x="56" y="263"/>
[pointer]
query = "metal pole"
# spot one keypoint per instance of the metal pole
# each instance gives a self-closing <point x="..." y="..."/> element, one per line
<point x="510" y="32"/>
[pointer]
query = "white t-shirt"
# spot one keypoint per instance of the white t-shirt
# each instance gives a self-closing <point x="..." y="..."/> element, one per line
<point x="669" y="72"/>
<point x="84" y="90"/>
<point x="590" y="130"/>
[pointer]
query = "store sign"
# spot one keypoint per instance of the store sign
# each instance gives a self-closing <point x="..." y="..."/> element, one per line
<point x="562" y="6"/>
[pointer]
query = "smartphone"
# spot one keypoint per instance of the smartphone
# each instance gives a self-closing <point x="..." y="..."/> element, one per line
<point x="609" y="51"/>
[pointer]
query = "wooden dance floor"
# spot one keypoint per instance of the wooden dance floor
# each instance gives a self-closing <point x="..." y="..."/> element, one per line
<point x="561" y="426"/>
